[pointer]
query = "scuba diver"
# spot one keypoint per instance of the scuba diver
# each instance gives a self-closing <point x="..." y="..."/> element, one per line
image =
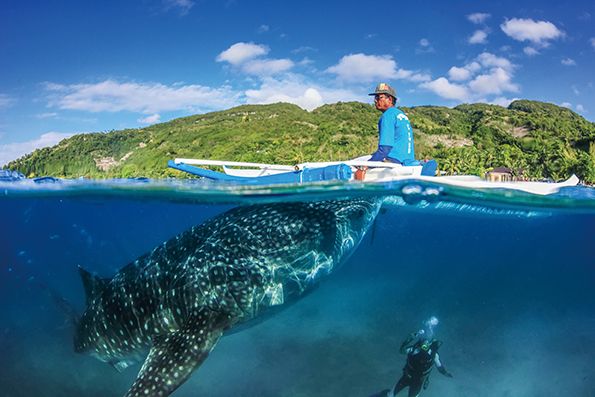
<point x="422" y="353"/>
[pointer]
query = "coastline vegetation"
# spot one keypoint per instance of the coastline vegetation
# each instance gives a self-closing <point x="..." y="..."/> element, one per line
<point x="543" y="140"/>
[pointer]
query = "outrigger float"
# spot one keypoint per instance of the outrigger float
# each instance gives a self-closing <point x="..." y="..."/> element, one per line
<point x="377" y="172"/>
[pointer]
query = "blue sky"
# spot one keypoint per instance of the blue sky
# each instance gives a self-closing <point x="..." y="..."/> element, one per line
<point x="68" y="67"/>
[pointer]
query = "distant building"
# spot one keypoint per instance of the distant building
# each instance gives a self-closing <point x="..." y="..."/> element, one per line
<point x="500" y="174"/>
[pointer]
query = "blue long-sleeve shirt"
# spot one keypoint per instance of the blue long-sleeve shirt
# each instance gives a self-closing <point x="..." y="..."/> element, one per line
<point x="395" y="141"/>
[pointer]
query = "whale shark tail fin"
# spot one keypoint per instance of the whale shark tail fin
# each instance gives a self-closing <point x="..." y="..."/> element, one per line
<point x="175" y="355"/>
<point x="92" y="283"/>
<point x="70" y="314"/>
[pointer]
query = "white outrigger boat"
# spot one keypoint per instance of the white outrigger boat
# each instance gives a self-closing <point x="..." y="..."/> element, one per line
<point x="265" y="174"/>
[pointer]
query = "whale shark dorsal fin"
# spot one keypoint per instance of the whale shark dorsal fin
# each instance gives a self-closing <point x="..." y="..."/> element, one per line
<point x="93" y="284"/>
<point x="175" y="355"/>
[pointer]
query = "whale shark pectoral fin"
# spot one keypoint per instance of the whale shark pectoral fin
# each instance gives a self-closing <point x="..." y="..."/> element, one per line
<point x="175" y="355"/>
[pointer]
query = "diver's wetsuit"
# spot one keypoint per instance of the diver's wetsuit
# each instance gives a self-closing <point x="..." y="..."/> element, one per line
<point x="421" y="356"/>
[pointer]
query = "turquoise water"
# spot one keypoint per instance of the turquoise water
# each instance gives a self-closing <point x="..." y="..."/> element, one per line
<point x="511" y="276"/>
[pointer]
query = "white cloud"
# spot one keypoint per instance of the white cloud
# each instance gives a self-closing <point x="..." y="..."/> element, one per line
<point x="183" y="6"/>
<point x="445" y="89"/>
<point x="459" y="74"/>
<point x="12" y="151"/>
<point x="490" y="74"/>
<point x="575" y="90"/>
<point x="579" y="108"/>
<point x="263" y="28"/>
<point x="152" y="119"/>
<point x="489" y="60"/>
<point x="530" y="51"/>
<point x="592" y="41"/>
<point x="266" y="67"/>
<point x="536" y="32"/>
<point x="473" y="67"/>
<point x="309" y="99"/>
<point x="5" y="101"/>
<point x="464" y="73"/>
<point x="495" y="82"/>
<point x="242" y="52"/>
<point x="366" y="68"/>
<point x="424" y="47"/>
<point x="501" y="101"/>
<point x="48" y="85"/>
<point x="297" y="91"/>
<point x="403" y="74"/>
<point x="247" y="56"/>
<point x="478" y="17"/>
<point x="362" y="67"/>
<point x="47" y="115"/>
<point x="303" y="49"/>
<point x="306" y="61"/>
<point x="113" y="96"/>
<point x="568" y="62"/>
<point x="478" y="37"/>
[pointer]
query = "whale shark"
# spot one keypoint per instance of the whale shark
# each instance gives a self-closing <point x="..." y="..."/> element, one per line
<point x="173" y="304"/>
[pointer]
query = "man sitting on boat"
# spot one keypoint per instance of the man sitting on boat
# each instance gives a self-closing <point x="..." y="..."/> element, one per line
<point x="395" y="136"/>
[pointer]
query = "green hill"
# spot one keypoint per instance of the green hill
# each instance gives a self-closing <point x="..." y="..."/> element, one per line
<point x="544" y="140"/>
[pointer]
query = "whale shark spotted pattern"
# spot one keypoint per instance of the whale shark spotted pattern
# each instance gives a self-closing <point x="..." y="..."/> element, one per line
<point x="177" y="301"/>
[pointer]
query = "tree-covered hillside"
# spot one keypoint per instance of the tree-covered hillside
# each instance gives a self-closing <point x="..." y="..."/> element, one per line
<point x="544" y="140"/>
